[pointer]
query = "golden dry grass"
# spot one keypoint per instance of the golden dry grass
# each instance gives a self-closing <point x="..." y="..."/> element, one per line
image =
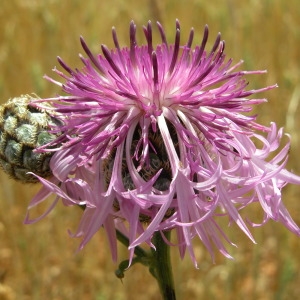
<point x="38" y="261"/>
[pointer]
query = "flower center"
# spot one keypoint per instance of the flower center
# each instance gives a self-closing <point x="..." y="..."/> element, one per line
<point x="158" y="161"/>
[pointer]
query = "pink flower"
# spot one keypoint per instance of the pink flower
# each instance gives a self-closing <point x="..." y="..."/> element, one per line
<point x="156" y="138"/>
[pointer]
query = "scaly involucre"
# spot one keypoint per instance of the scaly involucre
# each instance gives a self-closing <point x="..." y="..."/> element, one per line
<point x="155" y="138"/>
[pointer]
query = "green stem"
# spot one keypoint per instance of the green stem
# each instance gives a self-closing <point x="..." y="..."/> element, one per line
<point x="162" y="268"/>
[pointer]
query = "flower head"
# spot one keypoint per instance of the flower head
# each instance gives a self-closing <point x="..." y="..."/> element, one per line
<point x="159" y="137"/>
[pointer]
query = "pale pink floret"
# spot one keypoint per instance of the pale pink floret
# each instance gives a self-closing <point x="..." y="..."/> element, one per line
<point x="216" y="168"/>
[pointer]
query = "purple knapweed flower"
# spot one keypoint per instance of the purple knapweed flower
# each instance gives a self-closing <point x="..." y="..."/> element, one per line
<point x="156" y="138"/>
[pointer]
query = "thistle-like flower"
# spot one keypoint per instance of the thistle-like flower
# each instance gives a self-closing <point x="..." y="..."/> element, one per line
<point x="155" y="138"/>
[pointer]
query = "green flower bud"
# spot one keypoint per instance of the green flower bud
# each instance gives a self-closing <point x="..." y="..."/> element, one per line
<point x="23" y="128"/>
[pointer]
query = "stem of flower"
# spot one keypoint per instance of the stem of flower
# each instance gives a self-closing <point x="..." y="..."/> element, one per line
<point x="158" y="261"/>
<point x="162" y="268"/>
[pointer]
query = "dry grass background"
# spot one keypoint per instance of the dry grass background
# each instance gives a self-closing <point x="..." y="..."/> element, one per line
<point x="38" y="261"/>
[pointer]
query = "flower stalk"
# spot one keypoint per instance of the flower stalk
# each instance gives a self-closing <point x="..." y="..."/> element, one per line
<point x="158" y="260"/>
<point x="162" y="268"/>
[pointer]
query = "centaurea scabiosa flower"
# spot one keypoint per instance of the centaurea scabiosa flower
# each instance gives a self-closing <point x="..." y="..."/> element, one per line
<point x="159" y="138"/>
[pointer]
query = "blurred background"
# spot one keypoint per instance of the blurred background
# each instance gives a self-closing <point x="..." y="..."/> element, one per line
<point x="39" y="261"/>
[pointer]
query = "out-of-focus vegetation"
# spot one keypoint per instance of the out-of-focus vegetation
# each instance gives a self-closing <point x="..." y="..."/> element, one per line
<point x="38" y="261"/>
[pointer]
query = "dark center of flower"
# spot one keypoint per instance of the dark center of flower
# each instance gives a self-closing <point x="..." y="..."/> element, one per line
<point x="158" y="160"/>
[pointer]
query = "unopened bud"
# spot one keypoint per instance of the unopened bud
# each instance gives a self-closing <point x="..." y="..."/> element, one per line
<point x="23" y="128"/>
